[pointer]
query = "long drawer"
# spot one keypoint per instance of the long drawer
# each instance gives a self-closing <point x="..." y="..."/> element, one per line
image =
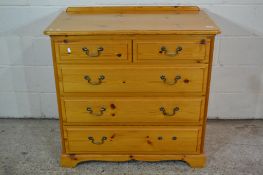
<point x="133" y="79"/>
<point x="132" y="110"/>
<point x="128" y="140"/>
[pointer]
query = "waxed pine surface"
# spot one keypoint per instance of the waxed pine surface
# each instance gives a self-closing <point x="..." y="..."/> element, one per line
<point x="131" y="78"/>
<point x="33" y="146"/>
<point x="134" y="23"/>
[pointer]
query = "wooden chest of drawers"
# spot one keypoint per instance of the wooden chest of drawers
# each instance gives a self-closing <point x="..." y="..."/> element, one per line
<point x="132" y="82"/>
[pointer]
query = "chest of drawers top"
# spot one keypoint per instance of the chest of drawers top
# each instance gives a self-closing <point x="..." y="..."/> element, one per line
<point x="132" y="20"/>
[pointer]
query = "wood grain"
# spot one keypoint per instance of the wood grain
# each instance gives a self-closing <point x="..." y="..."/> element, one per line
<point x="192" y="49"/>
<point x="58" y="93"/>
<point x="132" y="91"/>
<point x="158" y="22"/>
<point x="71" y="160"/>
<point x="207" y="93"/>
<point x="113" y="51"/>
<point x="134" y="78"/>
<point x="133" y="9"/>
<point x="128" y="110"/>
<point x="146" y="139"/>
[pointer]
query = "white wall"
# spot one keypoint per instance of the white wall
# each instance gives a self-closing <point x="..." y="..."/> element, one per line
<point x="26" y="76"/>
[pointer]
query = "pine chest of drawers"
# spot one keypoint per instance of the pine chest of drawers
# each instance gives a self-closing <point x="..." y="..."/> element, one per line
<point x="132" y="82"/>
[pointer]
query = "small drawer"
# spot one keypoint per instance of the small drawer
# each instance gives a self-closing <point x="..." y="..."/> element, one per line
<point x="94" y="51"/>
<point x="129" y="140"/>
<point x="180" y="51"/>
<point x="145" y="79"/>
<point x="132" y="110"/>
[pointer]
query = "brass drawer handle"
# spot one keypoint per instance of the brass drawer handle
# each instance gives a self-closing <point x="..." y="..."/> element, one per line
<point x="100" y="78"/>
<point x="177" y="77"/>
<point x="169" y="114"/>
<point x="87" y="52"/>
<point x="163" y="50"/>
<point x="102" y="109"/>
<point x="97" y="143"/>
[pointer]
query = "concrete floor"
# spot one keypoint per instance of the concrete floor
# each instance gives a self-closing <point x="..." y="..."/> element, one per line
<point x="32" y="147"/>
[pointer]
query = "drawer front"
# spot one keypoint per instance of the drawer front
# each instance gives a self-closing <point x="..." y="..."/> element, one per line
<point x="133" y="139"/>
<point x="133" y="79"/>
<point x="137" y="110"/>
<point x="94" y="51"/>
<point x="183" y="50"/>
